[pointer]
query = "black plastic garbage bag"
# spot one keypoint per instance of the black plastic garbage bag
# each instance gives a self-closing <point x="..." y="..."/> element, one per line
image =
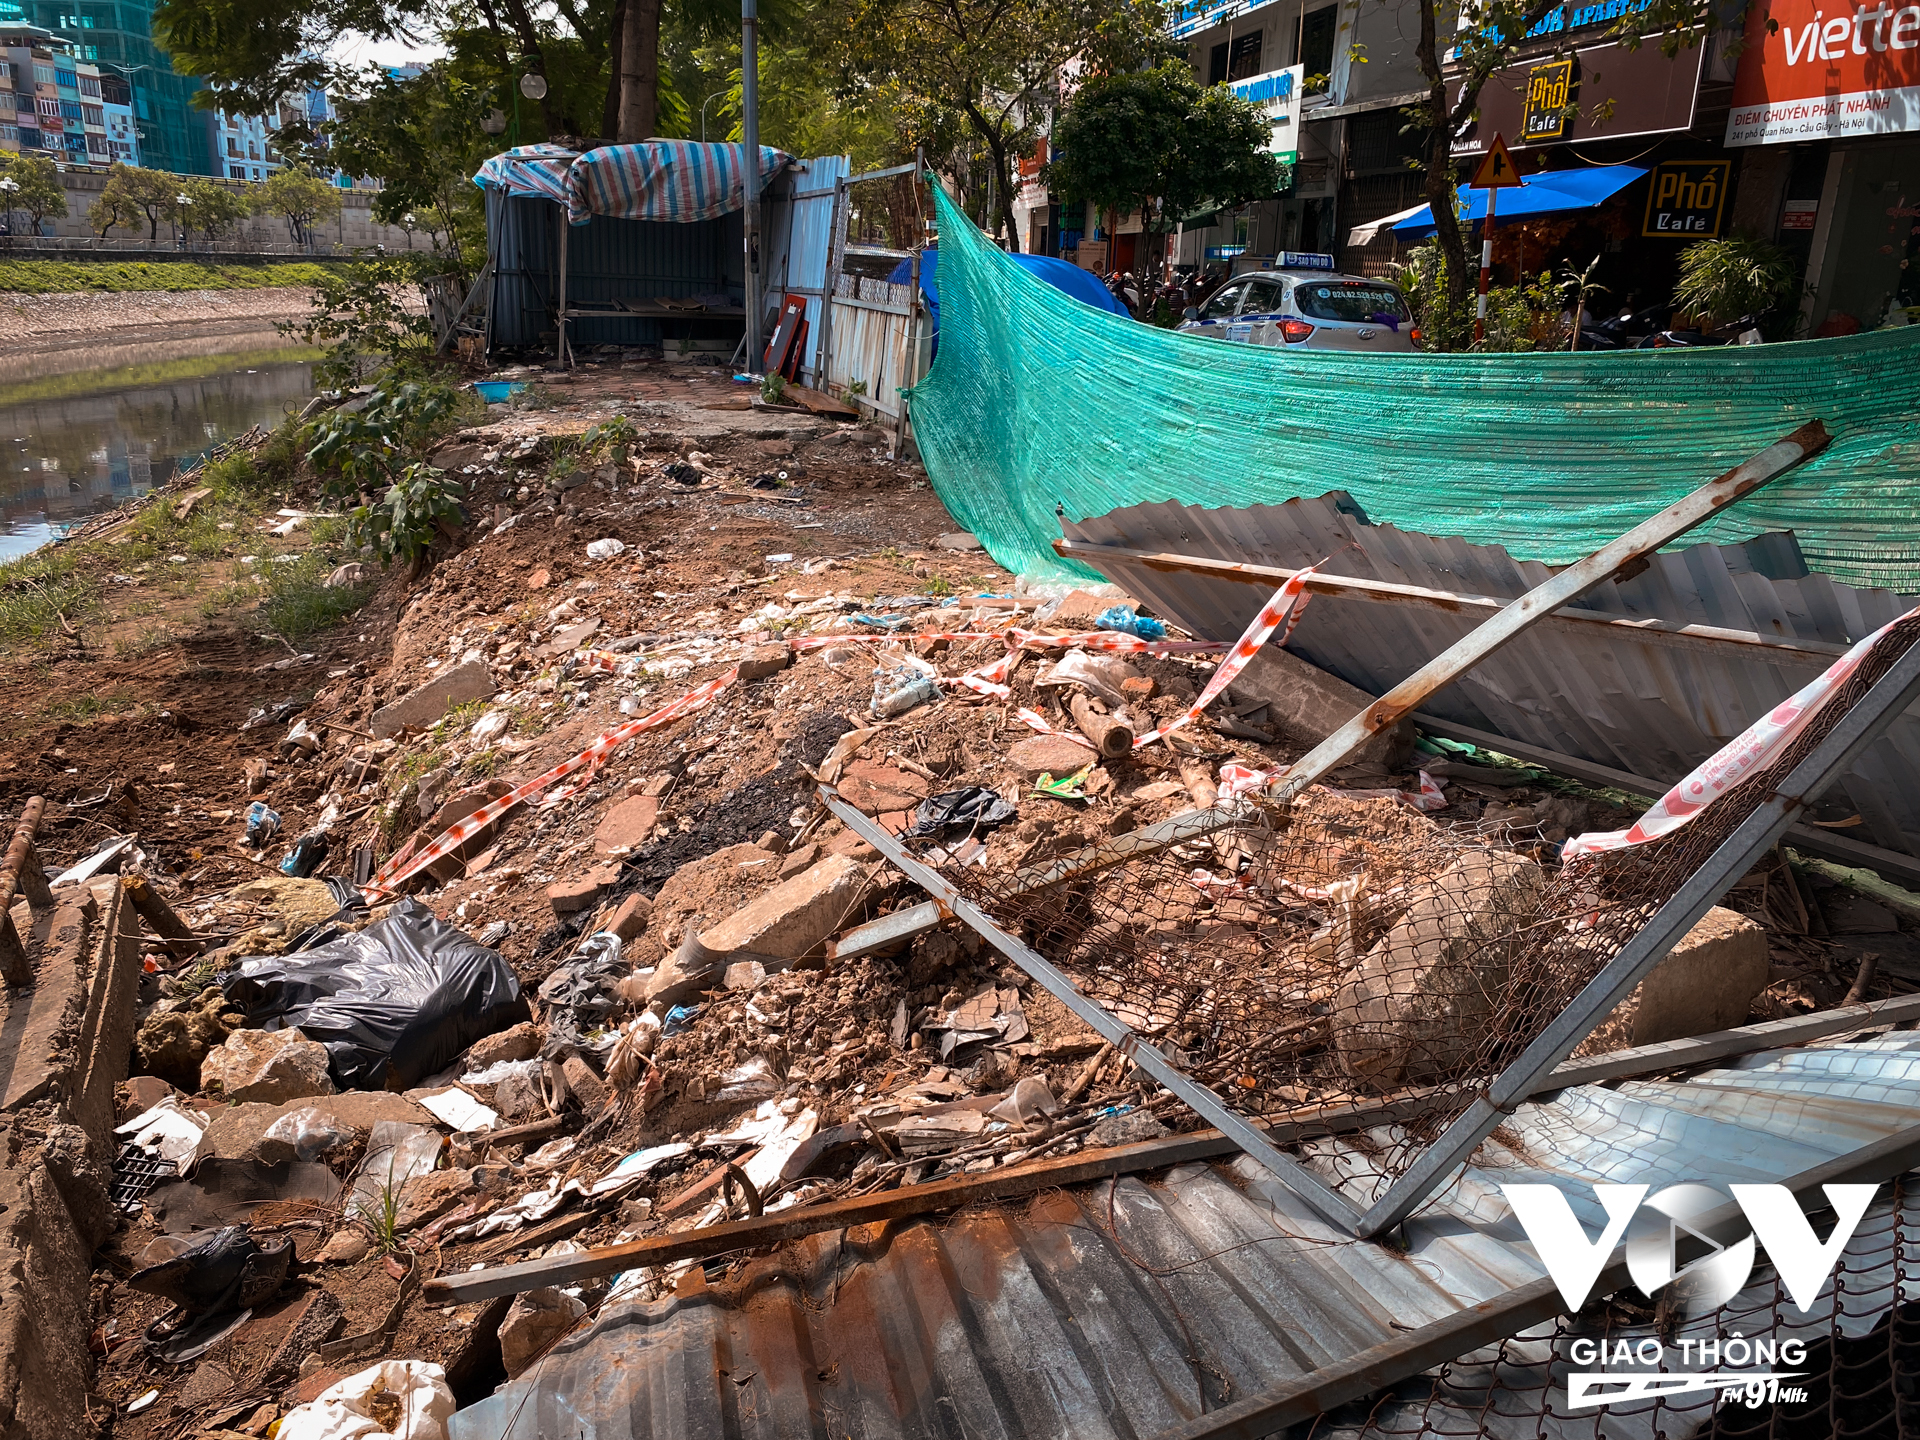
<point x="393" y="1004"/>
<point x="972" y="808"/>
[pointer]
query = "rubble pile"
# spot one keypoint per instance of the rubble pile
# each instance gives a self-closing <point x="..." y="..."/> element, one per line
<point x="548" y="940"/>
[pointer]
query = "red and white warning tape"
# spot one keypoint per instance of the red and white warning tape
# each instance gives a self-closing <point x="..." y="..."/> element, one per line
<point x="391" y="875"/>
<point x="1752" y="749"/>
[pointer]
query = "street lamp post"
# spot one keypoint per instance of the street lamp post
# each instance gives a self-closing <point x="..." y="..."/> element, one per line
<point x="183" y="200"/>
<point x="703" y="113"/>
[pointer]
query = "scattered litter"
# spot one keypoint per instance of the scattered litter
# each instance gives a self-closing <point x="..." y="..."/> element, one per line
<point x="605" y="549"/>
<point x="973" y="808"/>
<point x="394" y="1400"/>
<point x="169" y="1131"/>
<point x="1126" y="620"/>
<point x="263" y="823"/>
<point x="396" y="1152"/>
<point x="578" y="997"/>
<point x="455" y="1107"/>
<point x="637" y="1165"/>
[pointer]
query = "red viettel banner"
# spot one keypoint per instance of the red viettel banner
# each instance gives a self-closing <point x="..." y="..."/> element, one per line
<point x="1824" y="70"/>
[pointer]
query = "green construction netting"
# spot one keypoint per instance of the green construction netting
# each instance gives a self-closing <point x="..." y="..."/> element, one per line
<point x="1036" y="401"/>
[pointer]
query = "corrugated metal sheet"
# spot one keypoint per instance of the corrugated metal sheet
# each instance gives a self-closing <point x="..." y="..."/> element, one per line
<point x="809" y="233"/>
<point x="1123" y="1308"/>
<point x="870" y="320"/>
<point x="1646" y="705"/>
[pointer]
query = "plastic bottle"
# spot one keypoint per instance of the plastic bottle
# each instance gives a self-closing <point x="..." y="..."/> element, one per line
<point x="307" y="852"/>
<point x="263" y="823"/>
<point x="904" y="693"/>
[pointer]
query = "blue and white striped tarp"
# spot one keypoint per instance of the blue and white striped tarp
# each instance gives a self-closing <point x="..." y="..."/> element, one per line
<point x="681" y="180"/>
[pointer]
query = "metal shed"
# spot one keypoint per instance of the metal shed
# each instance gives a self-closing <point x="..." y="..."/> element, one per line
<point x="633" y="260"/>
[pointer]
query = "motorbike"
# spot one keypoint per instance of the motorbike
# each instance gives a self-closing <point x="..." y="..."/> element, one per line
<point x="1744" y="331"/>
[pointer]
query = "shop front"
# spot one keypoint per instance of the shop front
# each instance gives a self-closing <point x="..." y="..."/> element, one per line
<point x="1827" y="110"/>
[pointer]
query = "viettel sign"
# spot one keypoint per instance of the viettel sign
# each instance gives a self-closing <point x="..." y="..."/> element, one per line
<point x="1817" y="70"/>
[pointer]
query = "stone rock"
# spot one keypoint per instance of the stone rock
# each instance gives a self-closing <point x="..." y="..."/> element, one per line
<point x="139" y="1095"/>
<point x="428" y="1197"/>
<point x="517" y="1042"/>
<point x="1418" y="1006"/>
<point x="570" y="896"/>
<point x="765" y="660"/>
<point x="421" y="707"/>
<point x="627" y="825"/>
<point x="1306" y="704"/>
<point x="565" y="641"/>
<point x="209" y="1381"/>
<point x="704" y="891"/>
<point x="874" y="789"/>
<point x="1850" y="914"/>
<point x="1139" y="689"/>
<point x="540" y="579"/>
<point x="239" y="1131"/>
<point x="535" y="1321"/>
<point x="347" y="1246"/>
<point x="962" y="540"/>
<point x="266" y="1066"/>
<point x="629" y="919"/>
<point x="1130" y="1128"/>
<point x="744" y="975"/>
<point x="318" y="1320"/>
<point x="586" y="1086"/>
<point x="794" y="861"/>
<point x="1079" y="609"/>
<point x="172" y="1043"/>
<point x="1054" y="755"/>
<point x="796" y="916"/>
<point x="1707" y="982"/>
<point x="775" y="447"/>
<point x="519" y="1099"/>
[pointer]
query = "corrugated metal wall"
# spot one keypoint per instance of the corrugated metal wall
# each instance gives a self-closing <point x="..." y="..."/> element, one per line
<point x="1641" y="704"/>
<point x="870" y="319"/>
<point x="606" y="261"/>
<point x="806" y="246"/>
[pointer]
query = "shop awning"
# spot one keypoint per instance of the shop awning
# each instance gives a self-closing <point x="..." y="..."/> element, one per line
<point x="1551" y="192"/>
<point x="1371" y="231"/>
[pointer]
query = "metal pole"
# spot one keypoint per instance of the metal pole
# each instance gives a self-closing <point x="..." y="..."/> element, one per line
<point x="1758" y="833"/>
<point x="561" y="331"/>
<point x="750" y="174"/>
<point x="1197" y="1097"/>
<point x="1486" y="269"/>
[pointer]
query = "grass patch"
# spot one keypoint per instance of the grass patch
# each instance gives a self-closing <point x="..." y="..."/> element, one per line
<point x="37" y="592"/>
<point x="149" y="639"/>
<point x="297" y="602"/>
<point x="66" y="277"/>
<point x="87" y="707"/>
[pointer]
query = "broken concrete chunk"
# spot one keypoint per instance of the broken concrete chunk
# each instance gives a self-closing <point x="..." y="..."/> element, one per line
<point x="586" y="1086"/>
<point x="794" y="917"/>
<point x="1418" y="1006"/>
<point x="629" y="919"/>
<point x="1053" y="755"/>
<point x="765" y="660"/>
<point x="627" y="825"/>
<point x="420" y="708"/>
<point x="536" y="1321"/>
<point x="1707" y="982"/>
<point x="268" y="1066"/>
<point x="1306" y="704"/>
<point x="874" y="789"/>
<point x="963" y="541"/>
<point x="518" y="1042"/>
<point x="567" y="897"/>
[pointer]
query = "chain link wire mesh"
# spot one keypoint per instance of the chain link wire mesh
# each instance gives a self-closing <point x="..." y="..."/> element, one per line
<point x="1348" y="950"/>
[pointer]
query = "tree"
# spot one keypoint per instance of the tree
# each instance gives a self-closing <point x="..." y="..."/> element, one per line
<point x="302" y="199"/>
<point x="995" y="64"/>
<point x="1126" y="140"/>
<point x="40" y="192"/>
<point x="1452" y="101"/>
<point x="216" y="210"/>
<point x="137" y="194"/>
<point x="114" y="208"/>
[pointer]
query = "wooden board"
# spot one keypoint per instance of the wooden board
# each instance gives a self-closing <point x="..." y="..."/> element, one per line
<point x="818" y="402"/>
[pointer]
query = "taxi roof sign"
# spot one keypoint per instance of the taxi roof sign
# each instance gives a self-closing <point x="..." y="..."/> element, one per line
<point x="1496" y="170"/>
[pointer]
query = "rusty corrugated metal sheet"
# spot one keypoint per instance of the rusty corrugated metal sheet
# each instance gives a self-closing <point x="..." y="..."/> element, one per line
<point x="1649" y="705"/>
<point x="1122" y="1309"/>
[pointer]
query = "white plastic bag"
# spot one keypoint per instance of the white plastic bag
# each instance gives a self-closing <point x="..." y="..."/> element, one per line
<point x="347" y="1411"/>
<point x="605" y="549"/>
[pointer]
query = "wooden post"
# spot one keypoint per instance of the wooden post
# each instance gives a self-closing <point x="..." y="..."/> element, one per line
<point x="20" y="869"/>
<point x="1113" y="737"/>
<point x="153" y="908"/>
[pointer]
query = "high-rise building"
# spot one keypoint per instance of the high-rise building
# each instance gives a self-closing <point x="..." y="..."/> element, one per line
<point x="118" y="38"/>
<point x="240" y="145"/>
<point x="54" y="105"/>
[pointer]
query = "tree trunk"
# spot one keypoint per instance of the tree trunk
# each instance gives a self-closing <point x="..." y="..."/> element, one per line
<point x="610" y="113"/>
<point x="639" y="71"/>
<point x="1439" y="188"/>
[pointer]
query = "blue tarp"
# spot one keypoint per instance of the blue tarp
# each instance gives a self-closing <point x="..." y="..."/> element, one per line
<point x="1552" y="192"/>
<point x="1082" y="285"/>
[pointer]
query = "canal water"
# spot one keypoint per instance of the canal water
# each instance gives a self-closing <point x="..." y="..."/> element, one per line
<point x="76" y="444"/>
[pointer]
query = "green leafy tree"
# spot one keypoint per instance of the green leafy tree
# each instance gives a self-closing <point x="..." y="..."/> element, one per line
<point x="993" y="65"/>
<point x="137" y="194"/>
<point x="368" y="315"/>
<point x="302" y="199"/>
<point x="113" y="210"/>
<point x="1457" y="59"/>
<point x="40" y="192"/>
<point x="217" y="210"/>
<point x="1125" y="141"/>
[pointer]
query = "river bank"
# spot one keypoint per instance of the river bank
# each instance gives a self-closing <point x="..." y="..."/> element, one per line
<point x="56" y="334"/>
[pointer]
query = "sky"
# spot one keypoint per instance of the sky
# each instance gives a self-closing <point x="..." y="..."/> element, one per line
<point x="356" y="49"/>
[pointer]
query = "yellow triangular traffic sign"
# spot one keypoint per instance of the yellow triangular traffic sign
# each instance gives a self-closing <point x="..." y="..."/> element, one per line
<point x="1496" y="170"/>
